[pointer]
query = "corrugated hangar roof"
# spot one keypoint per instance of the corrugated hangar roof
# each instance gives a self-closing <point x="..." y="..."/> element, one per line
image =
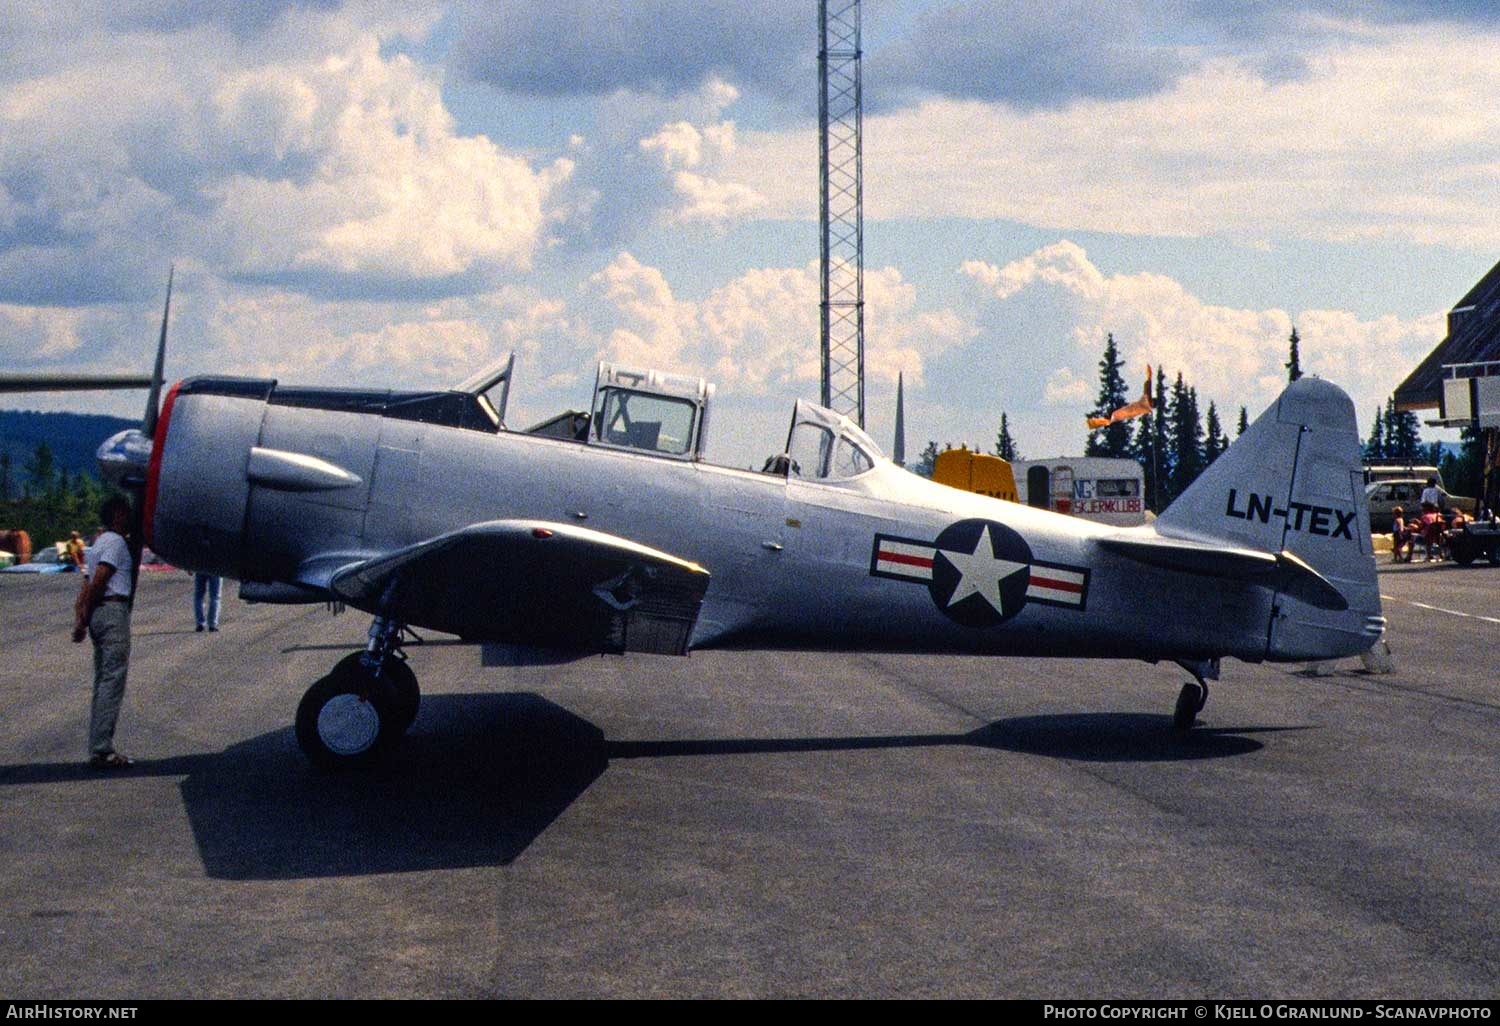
<point x="1473" y="337"/>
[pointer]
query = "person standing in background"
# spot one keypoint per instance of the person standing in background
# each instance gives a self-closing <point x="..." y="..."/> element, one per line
<point x="75" y="550"/>
<point x="103" y="613"/>
<point x="206" y="589"/>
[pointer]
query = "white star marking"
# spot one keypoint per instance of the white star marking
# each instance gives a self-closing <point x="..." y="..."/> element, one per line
<point x="980" y="573"/>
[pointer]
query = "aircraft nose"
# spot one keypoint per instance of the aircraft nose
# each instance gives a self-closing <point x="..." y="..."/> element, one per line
<point x="124" y="458"/>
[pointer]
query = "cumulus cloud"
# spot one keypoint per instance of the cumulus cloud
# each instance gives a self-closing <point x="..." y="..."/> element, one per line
<point x="380" y="182"/>
<point x="1368" y="144"/>
<point x="759" y="332"/>
<point x="1232" y="356"/>
<point x="172" y="15"/>
<point x="689" y="155"/>
<point x="37" y="334"/>
<point x="571" y="47"/>
<point x="1031" y="56"/>
<point x="1027" y="54"/>
<point x="653" y="161"/>
<point x="308" y="340"/>
<point x="331" y="158"/>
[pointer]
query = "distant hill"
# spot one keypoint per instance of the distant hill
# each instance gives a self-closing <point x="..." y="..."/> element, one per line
<point x="72" y="437"/>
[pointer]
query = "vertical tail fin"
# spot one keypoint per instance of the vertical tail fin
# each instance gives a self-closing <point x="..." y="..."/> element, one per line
<point x="1293" y="483"/>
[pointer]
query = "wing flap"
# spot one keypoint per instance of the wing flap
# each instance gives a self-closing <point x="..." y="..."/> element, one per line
<point x="530" y="582"/>
<point x="1283" y="570"/>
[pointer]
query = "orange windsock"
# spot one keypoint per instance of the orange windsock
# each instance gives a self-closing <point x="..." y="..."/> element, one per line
<point x="1139" y="408"/>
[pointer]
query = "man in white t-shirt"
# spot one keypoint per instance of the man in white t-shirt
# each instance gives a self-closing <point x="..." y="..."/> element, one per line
<point x="103" y="612"/>
<point x="1433" y="497"/>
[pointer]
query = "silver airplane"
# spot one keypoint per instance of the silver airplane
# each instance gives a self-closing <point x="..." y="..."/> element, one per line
<point x="606" y="531"/>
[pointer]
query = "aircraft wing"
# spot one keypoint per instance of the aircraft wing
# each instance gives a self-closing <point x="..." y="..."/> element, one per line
<point x="534" y="583"/>
<point x="1283" y="569"/>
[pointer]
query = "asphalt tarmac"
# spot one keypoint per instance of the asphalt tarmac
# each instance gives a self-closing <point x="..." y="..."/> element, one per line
<point x="752" y="824"/>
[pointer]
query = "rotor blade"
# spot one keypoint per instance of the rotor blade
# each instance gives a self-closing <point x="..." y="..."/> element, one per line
<point x="70" y="382"/>
<point x="153" y="401"/>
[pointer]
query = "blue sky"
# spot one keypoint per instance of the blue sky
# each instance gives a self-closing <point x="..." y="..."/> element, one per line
<point x="395" y="193"/>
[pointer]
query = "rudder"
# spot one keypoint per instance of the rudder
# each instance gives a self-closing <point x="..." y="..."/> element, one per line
<point x="1293" y="482"/>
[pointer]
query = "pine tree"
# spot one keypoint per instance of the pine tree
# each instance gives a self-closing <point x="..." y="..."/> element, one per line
<point x="39" y="470"/>
<point x="1192" y="453"/>
<point x="1403" y="434"/>
<point x="1159" y="494"/>
<point x="1113" y="440"/>
<point x="1005" y="446"/>
<point x="1214" y="439"/>
<point x="1375" y="444"/>
<point x="1294" y="361"/>
<point x="1464" y="473"/>
<point x="1244" y="423"/>
<point x="1186" y="440"/>
<point x="1141" y="451"/>
<point x="926" y="461"/>
<point x="1174" y="401"/>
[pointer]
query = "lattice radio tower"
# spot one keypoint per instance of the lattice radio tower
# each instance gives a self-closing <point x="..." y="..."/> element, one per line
<point x="842" y="212"/>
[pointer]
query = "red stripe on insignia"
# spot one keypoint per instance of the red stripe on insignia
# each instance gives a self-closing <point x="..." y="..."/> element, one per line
<point x="1056" y="585"/>
<point x="897" y="557"/>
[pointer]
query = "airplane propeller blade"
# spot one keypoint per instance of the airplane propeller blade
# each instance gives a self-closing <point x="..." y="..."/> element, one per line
<point x="137" y="541"/>
<point x="153" y="401"/>
<point x="71" y="382"/>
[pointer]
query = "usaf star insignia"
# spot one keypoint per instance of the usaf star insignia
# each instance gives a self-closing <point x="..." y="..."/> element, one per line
<point x="980" y="573"/>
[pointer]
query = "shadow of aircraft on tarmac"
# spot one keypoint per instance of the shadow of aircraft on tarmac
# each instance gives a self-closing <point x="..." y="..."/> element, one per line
<point x="481" y="776"/>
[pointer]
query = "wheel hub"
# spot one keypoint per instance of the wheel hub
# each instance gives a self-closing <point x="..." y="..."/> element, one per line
<point x="348" y="724"/>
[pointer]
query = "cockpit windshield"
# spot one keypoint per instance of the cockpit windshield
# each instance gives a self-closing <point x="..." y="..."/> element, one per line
<point x="824" y="446"/>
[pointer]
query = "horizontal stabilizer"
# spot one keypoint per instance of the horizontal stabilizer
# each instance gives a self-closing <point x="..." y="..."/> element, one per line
<point x="525" y="582"/>
<point x="1282" y="570"/>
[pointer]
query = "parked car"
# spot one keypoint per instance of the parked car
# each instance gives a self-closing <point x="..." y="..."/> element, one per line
<point x="1384" y="496"/>
<point x="1402" y="472"/>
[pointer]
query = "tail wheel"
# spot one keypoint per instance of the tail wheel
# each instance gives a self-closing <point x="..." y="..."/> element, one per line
<point x="1190" y="701"/>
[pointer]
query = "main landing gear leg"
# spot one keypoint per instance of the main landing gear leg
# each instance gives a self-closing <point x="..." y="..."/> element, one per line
<point x="1194" y="696"/>
<point x="364" y="705"/>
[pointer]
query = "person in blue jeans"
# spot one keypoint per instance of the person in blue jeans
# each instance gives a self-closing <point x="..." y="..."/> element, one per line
<point x="207" y="586"/>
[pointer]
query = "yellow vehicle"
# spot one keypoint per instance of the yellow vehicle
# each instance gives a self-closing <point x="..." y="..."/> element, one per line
<point x="975" y="472"/>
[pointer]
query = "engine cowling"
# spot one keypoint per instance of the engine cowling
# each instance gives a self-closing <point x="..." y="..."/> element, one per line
<point x="197" y="491"/>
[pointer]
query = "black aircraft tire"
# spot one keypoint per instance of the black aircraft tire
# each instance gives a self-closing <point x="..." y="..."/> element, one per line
<point x="343" y="722"/>
<point x="402" y="694"/>
<point x="1189" y="700"/>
